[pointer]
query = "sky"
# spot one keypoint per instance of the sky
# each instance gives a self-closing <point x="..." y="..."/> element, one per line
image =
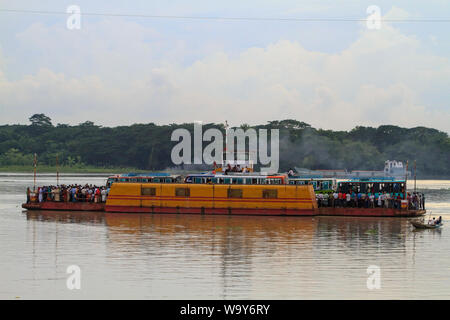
<point x="120" y="70"/>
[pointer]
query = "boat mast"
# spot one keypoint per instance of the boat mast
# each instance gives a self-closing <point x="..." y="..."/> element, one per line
<point x="226" y="143"/>
<point x="34" y="165"/>
<point x="406" y="180"/>
<point x="415" y="176"/>
<point x="57" y="171"/>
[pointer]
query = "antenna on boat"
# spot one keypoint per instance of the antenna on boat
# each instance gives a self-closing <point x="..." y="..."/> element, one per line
<point x="406" y="181"/>
<point x="415" y="177"/>
<point x="226" y="141"/>
<point x="57" y="171"/>
<point x="34" y="165"/>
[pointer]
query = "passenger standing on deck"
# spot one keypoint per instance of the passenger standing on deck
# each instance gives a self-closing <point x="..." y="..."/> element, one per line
<point x="364" y="200"/>
<point x="98" y="195"/>
<point x="399" y="201"/>
<point x="90" y="195"/>
<point x="335" y="199"/>
<point x="353" y="199"/>
<point x="326" y="199"/>
<point x="408" y="197"/>
<point x="387" y="199"/>
<point x="103" y="194"/>
<point x="56" y="194"/>
<point x="372" y="200"/>
<point x="40" y="195"/>
<point x="348" y="199"/>
<point x="73" y="192"/>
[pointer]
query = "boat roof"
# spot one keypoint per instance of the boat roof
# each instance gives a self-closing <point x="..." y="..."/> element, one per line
<point x="150" y="175"/>
<point x="310" y="178"/>
<point x="381" y="179"/>
<point x="233" y="175"/>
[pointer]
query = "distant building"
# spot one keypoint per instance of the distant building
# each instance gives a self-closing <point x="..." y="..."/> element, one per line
<point x="392" y="169"/>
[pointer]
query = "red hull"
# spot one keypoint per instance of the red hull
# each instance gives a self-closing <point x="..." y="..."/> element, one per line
<point x="356" y="212"/>
<point x="65" y="206"/>
<point x="369" y="212"/>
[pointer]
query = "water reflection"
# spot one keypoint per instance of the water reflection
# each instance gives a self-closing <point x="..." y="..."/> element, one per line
<point x="65" y="216"/>
<point x="236" y="257"/>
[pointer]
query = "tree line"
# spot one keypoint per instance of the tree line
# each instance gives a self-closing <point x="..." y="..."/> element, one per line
<point x="148" y="146"/>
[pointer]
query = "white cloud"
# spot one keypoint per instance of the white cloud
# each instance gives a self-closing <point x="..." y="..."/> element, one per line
<point x="124" y="73"/>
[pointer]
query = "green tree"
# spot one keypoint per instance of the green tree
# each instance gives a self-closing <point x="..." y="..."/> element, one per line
<point x="40" y="119"/>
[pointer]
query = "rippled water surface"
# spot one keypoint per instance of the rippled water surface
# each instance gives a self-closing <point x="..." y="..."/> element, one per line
<point x="215" y="257"/>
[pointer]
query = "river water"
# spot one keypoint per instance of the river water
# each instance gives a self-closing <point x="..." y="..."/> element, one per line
<point x="214" y="257"/>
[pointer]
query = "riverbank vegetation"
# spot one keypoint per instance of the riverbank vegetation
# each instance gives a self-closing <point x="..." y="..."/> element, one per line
<point x="88" y="147"/>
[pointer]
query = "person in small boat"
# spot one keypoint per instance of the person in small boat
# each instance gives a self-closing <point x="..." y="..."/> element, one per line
<point x="439" y="220"/>
<point x="432" y="222"/>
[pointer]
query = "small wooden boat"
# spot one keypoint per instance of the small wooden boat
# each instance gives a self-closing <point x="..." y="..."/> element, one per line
<point x="422" y="225"/>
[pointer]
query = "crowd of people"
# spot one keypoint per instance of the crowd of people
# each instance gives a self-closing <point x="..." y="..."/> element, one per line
<point x="236" y="168"/>
<point x="68" y="193"/>
<point x="415" y="200"/>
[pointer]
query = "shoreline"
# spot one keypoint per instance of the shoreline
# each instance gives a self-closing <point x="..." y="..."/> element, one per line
<point x="62" y="170"/>
<point x="44" y="169"/>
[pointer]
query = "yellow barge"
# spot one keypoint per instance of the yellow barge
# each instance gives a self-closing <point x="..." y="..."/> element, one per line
<point x="212" y="199"/>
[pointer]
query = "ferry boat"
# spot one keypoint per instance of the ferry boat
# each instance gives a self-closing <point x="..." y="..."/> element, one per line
<point x="228" y="192"/>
